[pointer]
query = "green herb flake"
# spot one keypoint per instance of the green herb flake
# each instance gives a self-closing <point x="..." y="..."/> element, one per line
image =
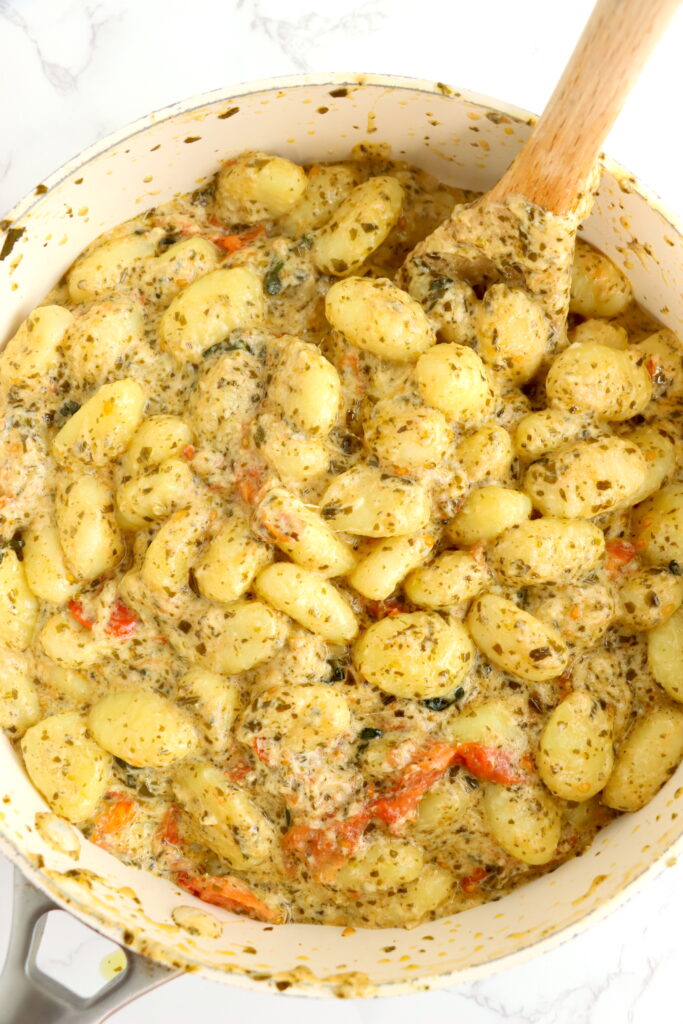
<point x="233" y="343"/>
<point x="271" y="283"/>
<point x="441" y="703"/>
<point x="369" y="734"/>
<point x="68" y="409"/>
<point x="437" y="288"/>
<point x="15" y="544"/>
<point x="304" y="244"/>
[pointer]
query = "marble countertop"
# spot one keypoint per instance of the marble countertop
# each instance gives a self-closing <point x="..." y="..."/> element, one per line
<point x="73" y="70"/>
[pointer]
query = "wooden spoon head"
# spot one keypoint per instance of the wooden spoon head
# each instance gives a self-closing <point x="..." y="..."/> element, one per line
<point x="514" y="242"/>
<point x="507" y="238"/>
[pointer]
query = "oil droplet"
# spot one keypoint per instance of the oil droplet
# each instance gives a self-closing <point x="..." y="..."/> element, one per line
<point x="112" y="964"/>
<point x="197" y="922"/>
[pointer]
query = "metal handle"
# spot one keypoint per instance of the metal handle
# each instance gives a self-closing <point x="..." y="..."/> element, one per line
<point x="29" y="995"/>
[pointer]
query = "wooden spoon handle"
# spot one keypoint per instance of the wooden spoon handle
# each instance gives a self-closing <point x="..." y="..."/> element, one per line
<point x="554" y="166"/>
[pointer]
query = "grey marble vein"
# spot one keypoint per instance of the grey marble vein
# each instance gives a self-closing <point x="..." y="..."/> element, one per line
<point x="299" y="34"/>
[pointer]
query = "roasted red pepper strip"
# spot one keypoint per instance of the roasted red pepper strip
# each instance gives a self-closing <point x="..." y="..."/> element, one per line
<point x="249" y="481"/>
<point x="349" y="359"/>
<point x="122" y="621"/>
<point x="76" y="612"/>
<point x="493" y="764"/>
<point x="113" y="820"/>
<point x="168" y="833"/>
<point x="470" y="883"/>
<point x="400" y="803"/>
<point x="227" y="892"/>
<point x="260" y="745"/>
<point x="222" y="891"/>
<point x="384" y="609"/>
<point x="325" y="849"/>
<point x="655" y="370"/>
<point x="619" y="553"/>
<point x="238" y="771"/>
<point x="233" y="243"/>
<point x="280" y="526"/>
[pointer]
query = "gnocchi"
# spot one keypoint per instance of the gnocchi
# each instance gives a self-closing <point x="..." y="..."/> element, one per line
<point x="408" y="438"/>
<point x="611" y="383"/>
<point x="487" y="454"/>
<point x="307" y="715"/>
<point x="575" y="755"/>
<point x="453" y="578"/>
<point x="515" y="640"/>
<point x="334" y="587"/>
<point x="231" y="561"/>
<point x="32" y="354"/>
<point x="377" y="575"/>
<point x="205" y="311"/>
<point x="415" y="654"/>
<point x="375" y="315"/>
<point x="223" y="818"/>
<point x="665" y="654"/>
<point x="18" y="604"/>
<point x="488" y="512"/>
<point x="598" y="287"/>
<point x="452" y="379"/>
<point x="258" y="186"/>
<point x="101" y="429"/>
<point x="142" y="728"/>
<point x="308" y="599"/>
<point x="358" y="226"/>
<point x="586" y="479"/>
<point x="374" y="504"/>
<point x="525" y="821"/>
<point x="87" y="530"/>
<point x="547" y="550"/>
<point x="66" y="765"/>
<point x="512" y="332"/>
<point x="645" y="760"/>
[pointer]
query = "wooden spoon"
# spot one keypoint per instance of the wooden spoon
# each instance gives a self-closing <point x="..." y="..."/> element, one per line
<point x="523" y="231"/>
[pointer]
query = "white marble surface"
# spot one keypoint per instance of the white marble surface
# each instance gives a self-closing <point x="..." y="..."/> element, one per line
<point x="72" y="70"/>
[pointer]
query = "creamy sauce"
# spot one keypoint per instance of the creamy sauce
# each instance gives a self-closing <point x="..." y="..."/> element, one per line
<point x="366" y="772"/>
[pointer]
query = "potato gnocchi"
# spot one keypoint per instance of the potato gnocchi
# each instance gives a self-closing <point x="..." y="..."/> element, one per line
<point x="329" y="589"/>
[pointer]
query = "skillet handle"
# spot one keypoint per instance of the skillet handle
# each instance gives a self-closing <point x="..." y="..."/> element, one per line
<point x="27" y="994"/>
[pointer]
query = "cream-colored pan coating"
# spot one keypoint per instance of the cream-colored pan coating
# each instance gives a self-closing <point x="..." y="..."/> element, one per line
<point x="327" y="599"/>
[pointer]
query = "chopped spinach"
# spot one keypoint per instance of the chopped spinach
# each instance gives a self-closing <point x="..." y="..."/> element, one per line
<point x="369" y="734"/>
<point x="15" y="544"/>
<point x="441" y="703"/>
<point x="132" y="777"/>
<point x="68" y="409"/>
<point x="204" y="196"/>
<point x="304" y="243"/>
<point x="366" y="735"/>
<point x="232" y="343"/>
<point x="337" y="672"/>
<point x="168" y="240"/>
<point x="127" y="772"/>
<point x="11" y="238"/>
<point x="350" y="444"/>
<point x="437" y="287"/>
<point x="271" y="282"/>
